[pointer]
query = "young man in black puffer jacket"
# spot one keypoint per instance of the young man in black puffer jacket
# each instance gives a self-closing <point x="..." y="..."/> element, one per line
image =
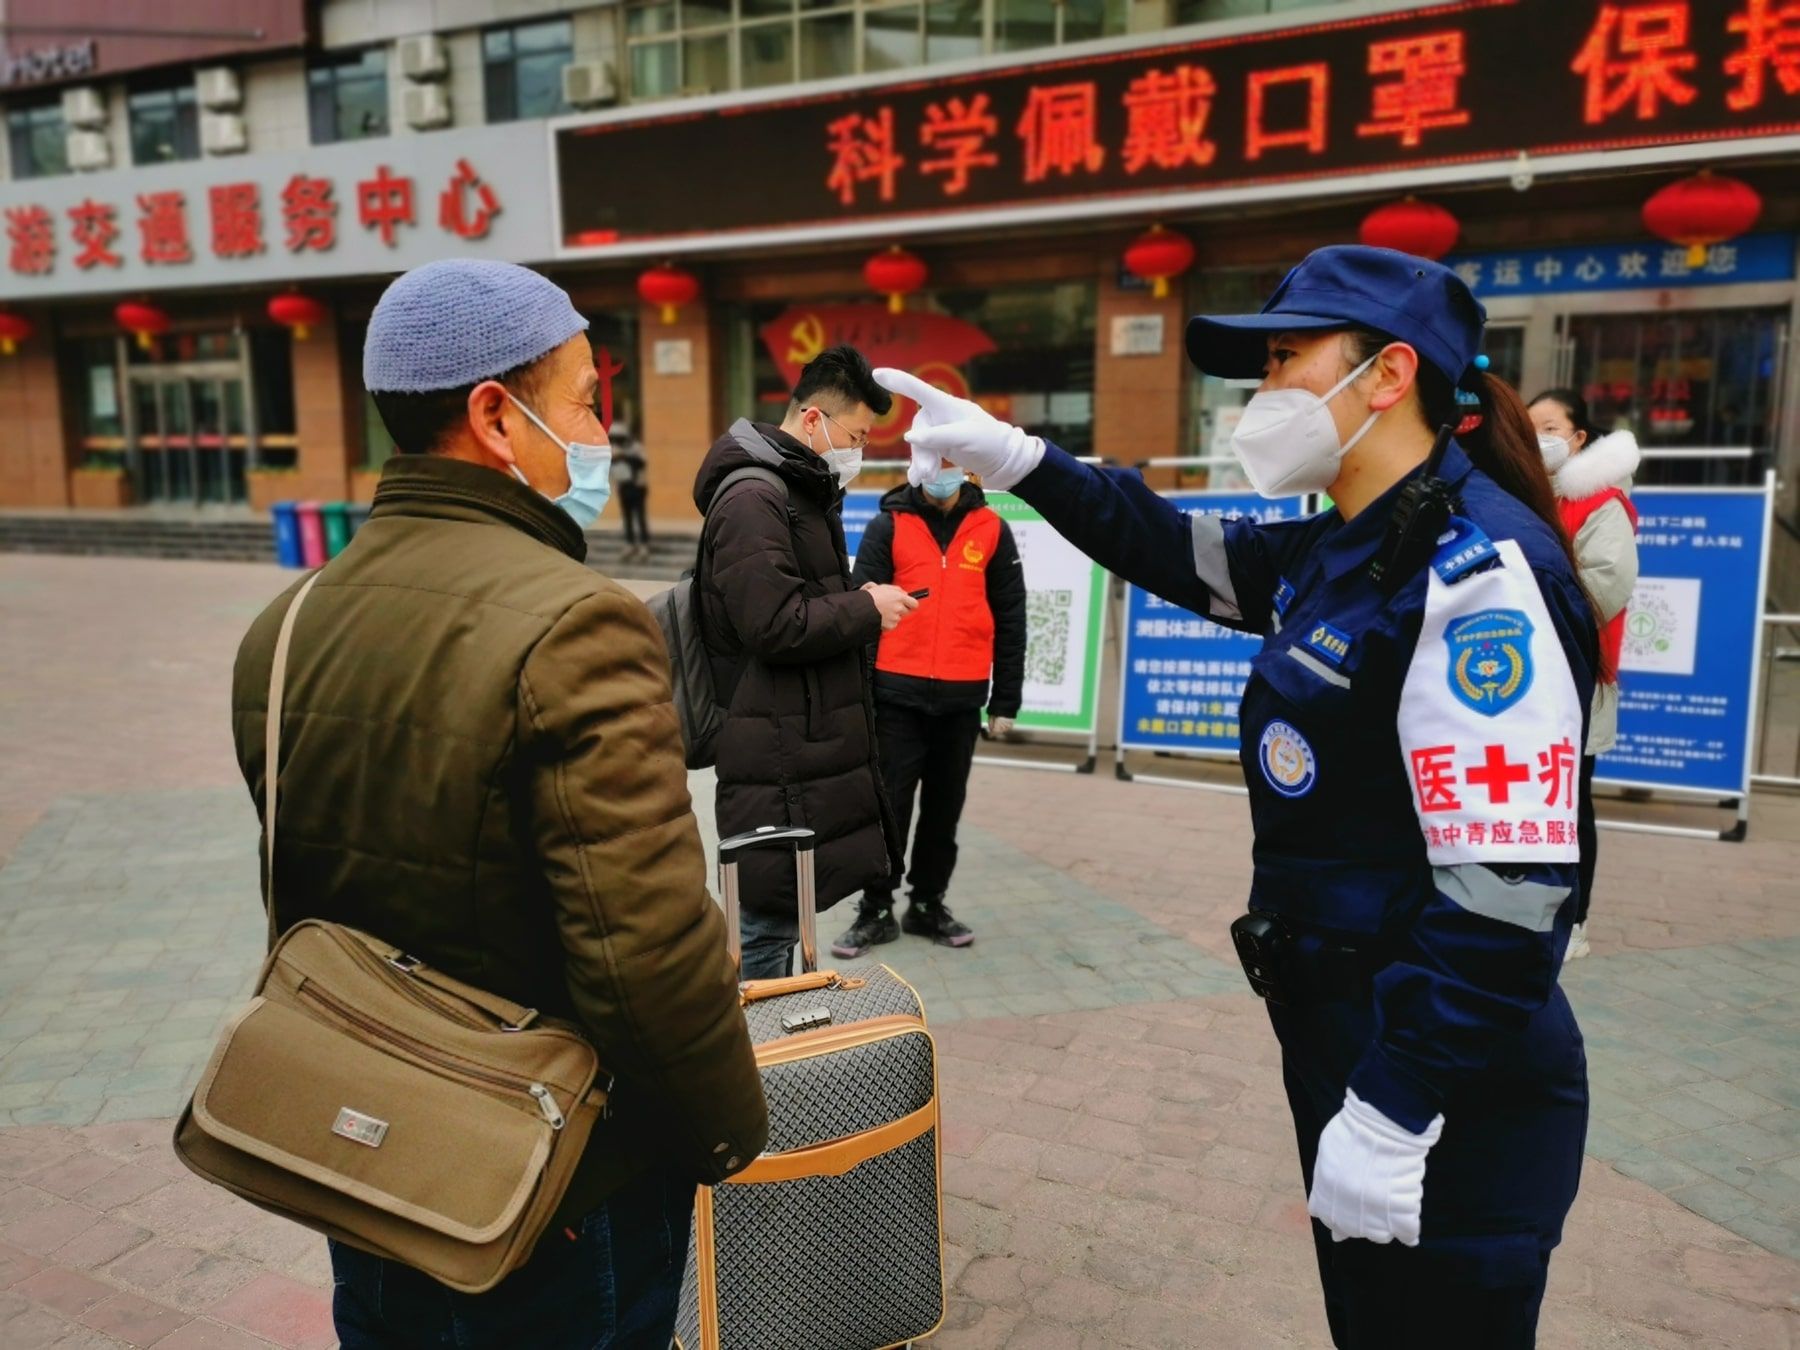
<point x="789" y="634"/>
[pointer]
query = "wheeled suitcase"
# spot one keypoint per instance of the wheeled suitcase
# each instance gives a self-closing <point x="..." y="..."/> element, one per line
<point x="833" y="1238"/>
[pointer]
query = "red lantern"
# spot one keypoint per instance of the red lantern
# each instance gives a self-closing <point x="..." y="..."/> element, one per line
<point x="895" y="274"/>
<point x="1701" y="211"/>
<point x="299" y="312"/>
<point x="1157" y="255"/>
<point x="669" y="287"/>
<point x="14" y="329"/>
<point x="1422" y="229"/>
<point x="142" y="321"/>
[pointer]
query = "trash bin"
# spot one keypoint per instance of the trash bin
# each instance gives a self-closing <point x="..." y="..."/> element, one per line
<point x="287" y="535"/>
<point x="358" y="514"/>
<point x="337" y="526"/>
<point x="312" y="534"/>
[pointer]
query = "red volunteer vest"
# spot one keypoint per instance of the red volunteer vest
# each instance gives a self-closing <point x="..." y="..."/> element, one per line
<point x="1575" y="514"/>
<point x="951" y="634"/>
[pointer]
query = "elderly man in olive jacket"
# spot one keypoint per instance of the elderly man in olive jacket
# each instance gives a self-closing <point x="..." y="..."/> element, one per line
<point x="481" y="765"/>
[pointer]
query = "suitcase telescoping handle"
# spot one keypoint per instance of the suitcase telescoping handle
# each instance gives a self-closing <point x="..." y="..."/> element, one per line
<point x="801" y="840"/>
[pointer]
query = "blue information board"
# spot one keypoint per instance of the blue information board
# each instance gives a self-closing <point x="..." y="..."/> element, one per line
<point x="1181" y="676"/>
<point x="859" y="509"/>
<point x="1637" y="265"/>
<point x="1687" y="675"/>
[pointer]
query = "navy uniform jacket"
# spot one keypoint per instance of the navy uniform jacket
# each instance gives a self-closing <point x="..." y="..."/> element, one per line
<point x="1473" y="949"/>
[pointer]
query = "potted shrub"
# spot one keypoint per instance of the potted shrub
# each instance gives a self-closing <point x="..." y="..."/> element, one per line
<point x="100" y="487"/>
<point x="265" y="486"/>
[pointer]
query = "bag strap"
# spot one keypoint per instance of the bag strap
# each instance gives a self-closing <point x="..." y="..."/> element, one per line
<point x="515" y="1016"/>
<point x="272" y="745"/>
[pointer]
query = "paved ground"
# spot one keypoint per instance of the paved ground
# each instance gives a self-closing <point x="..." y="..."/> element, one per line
<point x="1120" y="1170"/>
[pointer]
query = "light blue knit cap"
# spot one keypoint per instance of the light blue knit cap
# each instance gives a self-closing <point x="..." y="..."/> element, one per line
<point x="457" y="322"/>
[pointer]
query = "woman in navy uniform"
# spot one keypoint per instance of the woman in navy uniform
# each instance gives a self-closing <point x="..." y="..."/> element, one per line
<point x="1411" y="742"/>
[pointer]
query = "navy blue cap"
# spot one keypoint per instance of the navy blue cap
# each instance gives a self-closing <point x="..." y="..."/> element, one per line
<point x="1413" y="300"/>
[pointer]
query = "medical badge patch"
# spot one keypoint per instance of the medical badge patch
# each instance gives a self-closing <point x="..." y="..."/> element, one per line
<point x="1287" y="760"/>
<point x="1490" y="659"/>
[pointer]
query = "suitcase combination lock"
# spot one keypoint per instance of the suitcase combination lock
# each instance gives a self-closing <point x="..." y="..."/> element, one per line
<point x="806" y="1020"/>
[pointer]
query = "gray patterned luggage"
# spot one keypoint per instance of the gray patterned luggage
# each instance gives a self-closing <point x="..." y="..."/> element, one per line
<point x="833" y="1238"/>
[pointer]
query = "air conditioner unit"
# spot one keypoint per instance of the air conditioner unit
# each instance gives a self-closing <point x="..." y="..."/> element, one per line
<point x="425" y="106"/>
<point x="89" y="150"/>
<point x="84" y="106"/>
<point x="423" y="58"/>
<point x="589" y="84"/>
<point x="217" y="88"/>
<point x="224" y="133"/>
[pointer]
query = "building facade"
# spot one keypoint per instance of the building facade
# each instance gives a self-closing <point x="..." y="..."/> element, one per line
<point x="162" y="188"/>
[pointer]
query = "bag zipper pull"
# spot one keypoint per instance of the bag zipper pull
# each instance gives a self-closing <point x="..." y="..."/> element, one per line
<point x="547" y="1104"/>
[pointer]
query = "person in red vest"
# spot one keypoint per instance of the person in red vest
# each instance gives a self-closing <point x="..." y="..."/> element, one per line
<point x="1591" y="472"/>
<point x="932" y="677"/>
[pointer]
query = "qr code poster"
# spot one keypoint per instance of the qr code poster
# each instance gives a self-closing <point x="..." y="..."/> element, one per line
<point x="1065" y="597"/>
<point x="1662" y="623"/>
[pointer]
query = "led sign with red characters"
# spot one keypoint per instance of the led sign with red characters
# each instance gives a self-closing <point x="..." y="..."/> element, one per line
<point x="1474" y="81"/>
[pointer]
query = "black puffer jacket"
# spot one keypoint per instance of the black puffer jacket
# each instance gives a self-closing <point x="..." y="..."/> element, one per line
<point x="789" y="638"/>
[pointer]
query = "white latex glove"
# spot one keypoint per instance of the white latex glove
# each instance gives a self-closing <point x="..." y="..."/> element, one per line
<point x="1369" y="1179"/>
<point x="1000" y="727"/>
<point x="954" y="428"/>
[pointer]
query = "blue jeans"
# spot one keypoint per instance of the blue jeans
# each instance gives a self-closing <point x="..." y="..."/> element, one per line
<point x="610" y="1283"/>
<point x="769" y="941"/>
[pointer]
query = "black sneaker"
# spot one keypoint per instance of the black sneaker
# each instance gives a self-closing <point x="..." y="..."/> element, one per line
<point x="872" y="928"/>
<point x="936" y="922"/>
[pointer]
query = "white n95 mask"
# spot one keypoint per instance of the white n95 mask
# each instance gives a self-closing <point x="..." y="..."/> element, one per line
<point x="1288" y="443"/>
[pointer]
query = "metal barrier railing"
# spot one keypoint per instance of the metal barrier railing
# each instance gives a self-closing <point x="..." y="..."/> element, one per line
<point x="1778" y="717"/>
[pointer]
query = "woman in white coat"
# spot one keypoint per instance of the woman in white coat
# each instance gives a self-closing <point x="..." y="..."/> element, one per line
<point x="1592" y="473"/>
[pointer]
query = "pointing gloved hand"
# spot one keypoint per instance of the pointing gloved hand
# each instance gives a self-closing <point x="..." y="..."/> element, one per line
<point x="1369" y="1179"/>
<point x="947" y="426"/>
<point x="1000" y="727"/>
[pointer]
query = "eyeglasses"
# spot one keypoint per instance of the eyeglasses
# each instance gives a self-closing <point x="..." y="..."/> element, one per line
<point x="857" y="441"/>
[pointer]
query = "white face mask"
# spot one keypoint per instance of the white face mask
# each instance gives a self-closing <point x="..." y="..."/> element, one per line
<point x="1556" y="452"/>
<point x="1288" y="442"/>
<point x="846" y="464"/>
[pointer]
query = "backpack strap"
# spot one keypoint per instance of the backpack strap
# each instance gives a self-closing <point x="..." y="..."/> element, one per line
<point x="749" y="473"/>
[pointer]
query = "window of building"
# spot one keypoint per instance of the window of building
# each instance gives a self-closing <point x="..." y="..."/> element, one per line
<point x="347" y="96"/>
<point x="522" y="69"/>
<point x="39" y="141"/>
<point x="165" y="124"/>
<point x="1211" y="11"/>
<point x="687" y="47"/>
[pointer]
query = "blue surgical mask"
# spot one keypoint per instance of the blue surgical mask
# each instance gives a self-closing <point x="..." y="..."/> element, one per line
<point x="947" y="484"/>
<point x="590" y="482"/>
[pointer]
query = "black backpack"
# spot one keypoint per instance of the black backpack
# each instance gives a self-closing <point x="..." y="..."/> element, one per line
<point x="677" y="611"/>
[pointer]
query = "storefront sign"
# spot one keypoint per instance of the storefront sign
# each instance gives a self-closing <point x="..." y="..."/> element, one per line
<point x="1137" y="335"/>
<point x="366" y="207"/>
<point x="66" y="61"/>
<point x="57" y="41"/>
<point x="1642" y="265"/>
<point x="935" y="347"/>
<point x="1686" y="684"/>
<point x="1182" y="677"/>
<point x="1065" y="612"/>
<point x="1378" y="93"/>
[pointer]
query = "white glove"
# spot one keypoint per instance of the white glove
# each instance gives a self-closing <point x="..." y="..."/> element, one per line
<point x="954" y="428"/>
<point x="1369" y="1178"/>
<point x="1000" y="727"/>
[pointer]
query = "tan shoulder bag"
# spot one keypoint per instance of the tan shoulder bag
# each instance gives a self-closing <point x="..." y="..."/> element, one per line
<point x="364" y="1094"/>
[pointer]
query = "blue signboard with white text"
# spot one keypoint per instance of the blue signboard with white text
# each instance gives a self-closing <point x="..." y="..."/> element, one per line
<point x="1687" y="674"/>
<point x="1182" y="677"/>
<point x="1640" y="265"/>
<point x="859" y="509"/>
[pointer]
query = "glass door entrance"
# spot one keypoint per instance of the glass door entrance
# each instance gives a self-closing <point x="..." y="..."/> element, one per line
<point x="1701" y="379"/>
<point x="189" y="441"/>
